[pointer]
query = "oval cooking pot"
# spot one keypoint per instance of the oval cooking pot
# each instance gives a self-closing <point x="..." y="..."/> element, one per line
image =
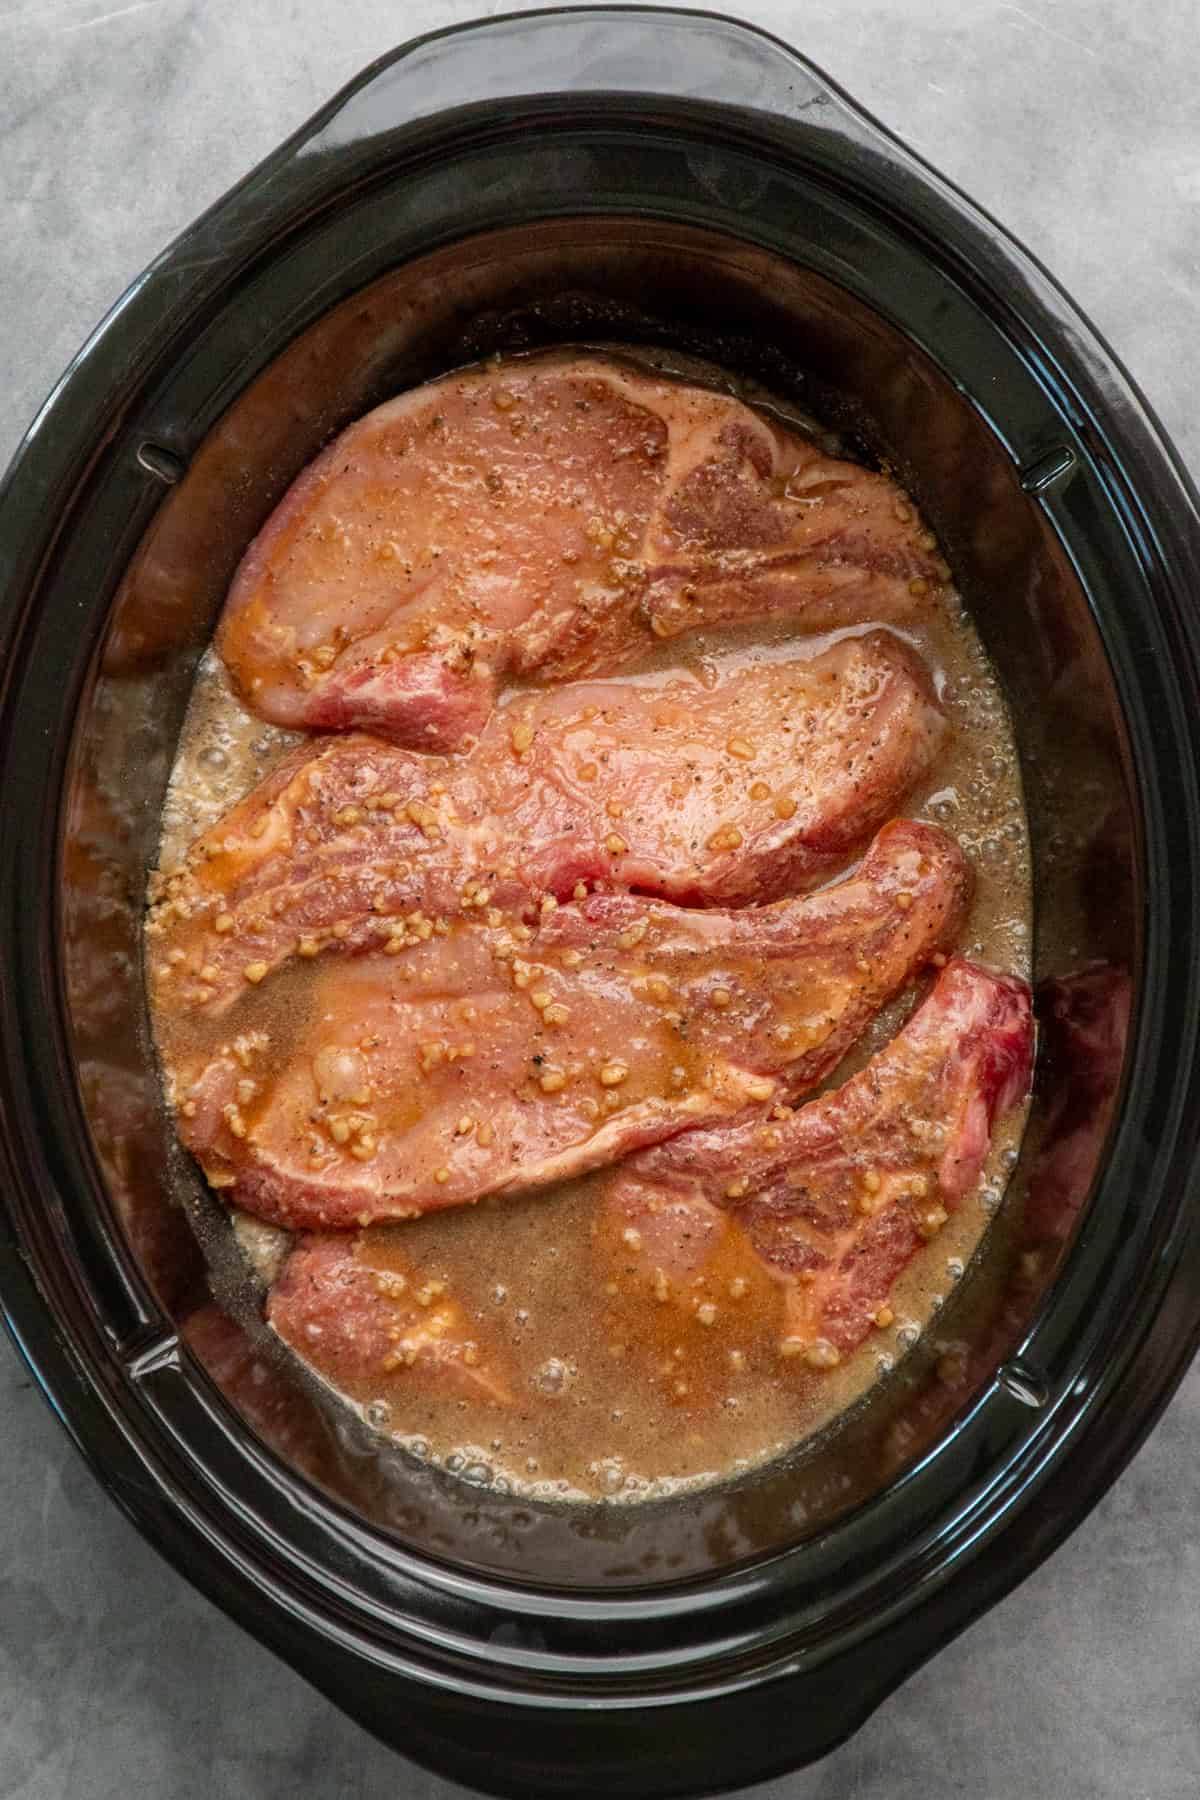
<point x="674" y="178"/>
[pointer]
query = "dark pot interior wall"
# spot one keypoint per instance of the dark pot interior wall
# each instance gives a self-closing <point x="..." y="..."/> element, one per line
<point x="804" y="338"/>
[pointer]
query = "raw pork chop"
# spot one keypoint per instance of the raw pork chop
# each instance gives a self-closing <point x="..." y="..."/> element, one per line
<point x="548" y="517"/>
<point x="839" y="1195"/>
<point x="482" y="1061"/>
<point x="757" y="782"/>
<point x="354" y="1320"/>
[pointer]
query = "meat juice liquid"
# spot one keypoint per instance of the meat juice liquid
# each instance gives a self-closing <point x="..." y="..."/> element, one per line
<point x="615" y="1394"/>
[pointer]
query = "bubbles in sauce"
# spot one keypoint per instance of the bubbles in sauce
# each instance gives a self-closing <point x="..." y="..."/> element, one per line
<point x="610" y="1399"/>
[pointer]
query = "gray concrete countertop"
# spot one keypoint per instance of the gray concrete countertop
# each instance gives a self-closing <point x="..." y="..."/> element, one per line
<point x="1076" y="122"/>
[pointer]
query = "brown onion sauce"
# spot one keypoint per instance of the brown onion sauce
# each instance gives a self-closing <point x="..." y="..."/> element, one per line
<point x="614" y="1391"/>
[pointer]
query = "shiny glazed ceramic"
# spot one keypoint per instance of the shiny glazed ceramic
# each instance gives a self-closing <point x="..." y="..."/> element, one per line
<point x="673" y="178"/>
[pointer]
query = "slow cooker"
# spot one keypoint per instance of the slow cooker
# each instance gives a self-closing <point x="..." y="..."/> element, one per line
<point x="670" y="178"/>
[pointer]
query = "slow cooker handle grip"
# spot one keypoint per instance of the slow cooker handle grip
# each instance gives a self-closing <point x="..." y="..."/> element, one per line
<point x="514" y="73"/>
<point x="491" y="64"/>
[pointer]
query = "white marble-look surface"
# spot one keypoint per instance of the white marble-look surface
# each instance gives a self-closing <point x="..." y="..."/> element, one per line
<point x="1076" y="122"/>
